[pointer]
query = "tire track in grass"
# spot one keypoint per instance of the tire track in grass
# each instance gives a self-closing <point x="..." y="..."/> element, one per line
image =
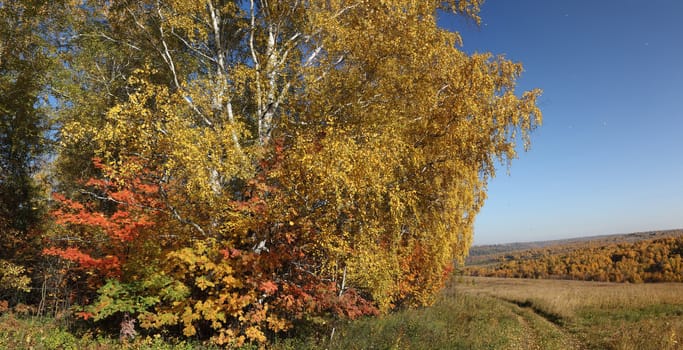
<point x="541" y="331"/>
<point x="527" y="339"/>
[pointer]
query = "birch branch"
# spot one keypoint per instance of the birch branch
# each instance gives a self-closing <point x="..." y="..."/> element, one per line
<point x="168" y="58"/>
<point x="254" y="57"/>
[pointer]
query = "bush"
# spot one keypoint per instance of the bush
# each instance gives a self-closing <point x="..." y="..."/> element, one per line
<point x="13" y="280"/>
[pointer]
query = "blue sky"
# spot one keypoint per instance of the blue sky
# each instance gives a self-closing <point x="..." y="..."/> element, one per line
<point x="609" y="156"/>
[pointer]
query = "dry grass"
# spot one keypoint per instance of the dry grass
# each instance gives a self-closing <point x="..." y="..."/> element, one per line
<point x="602" y="315"/>
<point x="566" y="298"/>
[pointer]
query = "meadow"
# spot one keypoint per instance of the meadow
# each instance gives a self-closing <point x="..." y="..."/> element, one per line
<point x="471" y="313"/>
<point x="505" y="313"/>
<point x="599" y="315"/>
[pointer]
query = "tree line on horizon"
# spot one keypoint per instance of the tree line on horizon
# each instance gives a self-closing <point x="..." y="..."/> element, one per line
<point x="654" y="260"/>
<point x="230" y="170"/>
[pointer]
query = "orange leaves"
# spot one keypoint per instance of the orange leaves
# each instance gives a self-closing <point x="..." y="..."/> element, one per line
<point x="100" y="228"/>
<point x="123" y="196"/>
<point x="109" y="266"/>
<point x="134" y="200"/>
<point x="268" y="287"/>
<point x="122" y="225"/>
<point x="230" y="253"/>
<point x="84" y="315"/>
<point x="223" y="294"/>
<point x="352" y="305"/>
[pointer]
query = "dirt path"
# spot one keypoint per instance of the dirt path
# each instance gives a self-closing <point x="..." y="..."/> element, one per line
<point x="539" y="331"/>
<point x="528" y="338"/>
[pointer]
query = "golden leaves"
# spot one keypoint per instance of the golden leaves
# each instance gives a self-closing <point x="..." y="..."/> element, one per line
<point x="13" y="277"/>
<point x="408" y="146"/>
<point x="315" y="149"/>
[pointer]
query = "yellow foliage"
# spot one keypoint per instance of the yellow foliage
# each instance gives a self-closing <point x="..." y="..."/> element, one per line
<point x="255" y="334"/>
<point x="354" y="139"/>
<point x="13" y="277"/>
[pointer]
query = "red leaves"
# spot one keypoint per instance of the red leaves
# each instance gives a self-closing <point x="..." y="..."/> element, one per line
<point x="109" y="266"/>
<point x="319" y="297"/>
<point x="104" y="220"/>
<point x="85" y="315"/>
<point x="231" y="253"/>
<point x="352" y="305"/>
<point x="97" y="163"/>
<point x="123" y="225"/>
<point x="268" y="287"/>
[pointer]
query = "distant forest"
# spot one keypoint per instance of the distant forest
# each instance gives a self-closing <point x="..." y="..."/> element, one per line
<point x="623" y="258"/>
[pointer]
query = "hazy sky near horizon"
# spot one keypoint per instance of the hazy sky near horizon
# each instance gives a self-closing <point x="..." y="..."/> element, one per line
<point x="609" y="155"/>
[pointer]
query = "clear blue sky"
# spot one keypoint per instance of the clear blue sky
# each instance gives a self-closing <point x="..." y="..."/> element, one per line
<point x="609" y="156"/>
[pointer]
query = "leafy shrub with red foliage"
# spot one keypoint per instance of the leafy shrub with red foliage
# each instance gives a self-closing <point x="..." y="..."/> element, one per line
<point x="218" y="287"/>
<point x="99" y="226"/>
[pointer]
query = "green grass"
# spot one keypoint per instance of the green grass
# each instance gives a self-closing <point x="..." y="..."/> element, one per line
<point x="449" y="325"/>
<point x="598" y="315"/>
<point x="656" y="326"/>
<point x="42" y="333"/>
<point x="482" y="313"/>
<point x="457" y="321"/>
<point x="37" y="333"/>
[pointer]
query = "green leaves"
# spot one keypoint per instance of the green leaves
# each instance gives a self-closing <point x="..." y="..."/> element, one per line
<point x="25" y="64"/>
<point x="115" y="297"/>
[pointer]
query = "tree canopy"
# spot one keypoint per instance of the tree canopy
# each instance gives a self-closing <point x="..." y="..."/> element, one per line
<point x="23" y="65"/>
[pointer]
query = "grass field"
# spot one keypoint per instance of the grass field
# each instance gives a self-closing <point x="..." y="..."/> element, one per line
<point x="498" y="313"/>
<point x="598" y="315"/>
<point x="472" y="313"/>
<point x="495" y="313"/>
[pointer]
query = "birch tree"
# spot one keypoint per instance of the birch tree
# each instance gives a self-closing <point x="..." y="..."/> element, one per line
<point x="339" y="149"/>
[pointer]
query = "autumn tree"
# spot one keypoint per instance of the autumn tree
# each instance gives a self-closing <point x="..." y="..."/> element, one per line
<point x="27" y="64"/>
<point x="309" y="157"/>
<point x="23" y="65"/>
<point x="650" y="260"/>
